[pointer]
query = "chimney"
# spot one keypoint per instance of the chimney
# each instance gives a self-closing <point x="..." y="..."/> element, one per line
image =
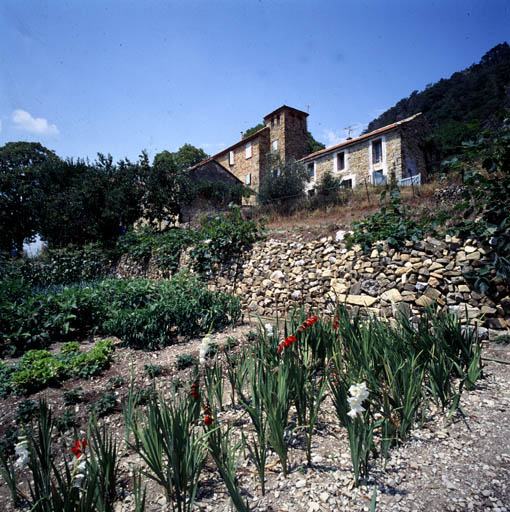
<point x="242" y="133"/>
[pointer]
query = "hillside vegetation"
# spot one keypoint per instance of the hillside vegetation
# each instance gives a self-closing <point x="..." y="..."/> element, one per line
<point x="457" y="107"/>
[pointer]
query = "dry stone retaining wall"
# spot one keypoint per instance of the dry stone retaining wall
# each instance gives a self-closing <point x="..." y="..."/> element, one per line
<point x="275" y="276"/>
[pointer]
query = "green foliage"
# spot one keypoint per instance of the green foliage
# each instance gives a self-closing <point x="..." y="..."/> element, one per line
<point x="19" y="162"/>
<point x="37" y="369"/>
<point x="143" y="313"/>
<point x="165" y="246"/>
<point x="66" y="421"/>
<point x="82" y="202"/>
<point x="313" y="145"/>
<point x="153" y="370"/>
<point x="220" y="194"/>
<point x="105" y="405"/>
<point x="392" y="224"/>
<point x="225" y="236"/>
<point x="282" y="180"/>
<point x="486" y="208"/>
<point x="172" y="449"/>
<point x="88" y="364"/>
<point x="73" y="396"/>
<point x="253" y="129"/>
<point x="60" y="266"/>
<point x="185" y="361"/>
<point x="26" y="411"/>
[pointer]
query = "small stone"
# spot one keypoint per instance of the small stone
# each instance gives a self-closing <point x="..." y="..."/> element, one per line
<point x="301" y="483"/>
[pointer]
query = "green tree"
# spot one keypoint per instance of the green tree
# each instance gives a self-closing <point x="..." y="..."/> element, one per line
<point x="19" y="170"/>
<point x="282" y="180"/>
<point x="185" y="157"/>
<point x="80" y="202"/>
<point x="313" y="145"/>
<point x="167" y="187"/>
<point x="253" y="129"/>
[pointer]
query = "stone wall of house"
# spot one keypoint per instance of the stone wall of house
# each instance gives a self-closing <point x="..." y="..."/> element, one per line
<point x="357" y="160"/>
<point x="243" y="166"/>
<point x="413" y="157"/>
<point x="289" y="128"/>
<point x="277" y="276"/>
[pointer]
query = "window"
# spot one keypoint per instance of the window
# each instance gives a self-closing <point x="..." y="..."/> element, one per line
<point x="377" y="151"/>
<point x="272" y="123"/>
<point x="275" y="145"/>
<point x="347" y="183"/>
<point x="248" y="150"/>
<point x="278" y="120"/>
<point x="231" y="157"/>
<point x="311" y="171"/>
<point x="248" y="179"/>
<point x="379" y="178"/>
<point x="340" y="161"/>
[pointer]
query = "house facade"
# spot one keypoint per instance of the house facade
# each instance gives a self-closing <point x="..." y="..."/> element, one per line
<point x="284" y="134"/>
<point x="392" y="152"/>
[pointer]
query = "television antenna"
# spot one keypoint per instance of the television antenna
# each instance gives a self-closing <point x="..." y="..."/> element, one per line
<point x="348" y="130"/>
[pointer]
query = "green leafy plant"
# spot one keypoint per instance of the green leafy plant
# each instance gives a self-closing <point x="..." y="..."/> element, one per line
<point x="26" y="411"/>
<point x="73" y="396"/>
<point x="185" y="361"/>
<point x="153" y="370"/>
<point x="172" y="449"/>
<point x="393" y="224"/>
<point x="106" y="404"/>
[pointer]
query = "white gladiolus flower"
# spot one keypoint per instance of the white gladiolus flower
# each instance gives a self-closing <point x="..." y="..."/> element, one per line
<point x="358" y="394"/>
<point x="21" y="451"/>
<point x="269" y="329"/>
<point x="204" y="348"/>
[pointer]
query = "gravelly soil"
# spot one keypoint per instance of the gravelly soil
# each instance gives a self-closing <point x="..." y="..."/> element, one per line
<point x="461" y="464"/>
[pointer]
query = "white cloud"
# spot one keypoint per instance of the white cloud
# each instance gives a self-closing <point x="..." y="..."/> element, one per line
<point x="332" y="137"/>
<point x="24" y="121"/>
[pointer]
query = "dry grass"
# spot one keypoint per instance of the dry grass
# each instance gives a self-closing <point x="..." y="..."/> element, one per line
<point x="360" y="202"/>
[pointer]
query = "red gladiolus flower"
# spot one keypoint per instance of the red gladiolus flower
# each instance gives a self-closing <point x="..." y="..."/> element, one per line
<point x="300" y="330"/>
<point x="79" y="448"/>
<point x="208" y="420"/>
<point x="280" y="348"/>
<point x="194" y="391"/>
<point x="290" y="339"/>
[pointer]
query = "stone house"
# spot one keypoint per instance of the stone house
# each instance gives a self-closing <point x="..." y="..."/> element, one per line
<point x="284" y="133"/>
<point x="391" y="152"/>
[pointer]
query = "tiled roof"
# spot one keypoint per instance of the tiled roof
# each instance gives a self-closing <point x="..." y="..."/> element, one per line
<point x="288" y="108"/>
<point x="230" y="148"/>
<point x="360" y="138"/>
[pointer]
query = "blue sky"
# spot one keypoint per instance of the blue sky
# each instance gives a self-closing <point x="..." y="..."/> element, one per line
<point x="121" y="76"/>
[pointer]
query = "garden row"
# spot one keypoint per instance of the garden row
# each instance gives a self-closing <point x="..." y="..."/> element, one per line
<point x="141" y="313"/>
<point x="380" y="379"/>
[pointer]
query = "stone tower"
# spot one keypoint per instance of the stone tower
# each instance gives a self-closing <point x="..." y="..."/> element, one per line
<point x="287" y="132"/>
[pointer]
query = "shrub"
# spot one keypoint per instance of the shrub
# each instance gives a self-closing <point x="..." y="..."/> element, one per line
<point x="392" y="224"/>
<point x="225" y="236"/>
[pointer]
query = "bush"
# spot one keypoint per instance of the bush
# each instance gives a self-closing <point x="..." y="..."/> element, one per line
<point x="282" y="181"/>
<point x="486" y="208"/>
<point x="225" y="236"/>
<point x="393" y="224"/>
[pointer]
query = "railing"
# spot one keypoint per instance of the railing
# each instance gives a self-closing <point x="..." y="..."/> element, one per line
<point x="412" y="181"/>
